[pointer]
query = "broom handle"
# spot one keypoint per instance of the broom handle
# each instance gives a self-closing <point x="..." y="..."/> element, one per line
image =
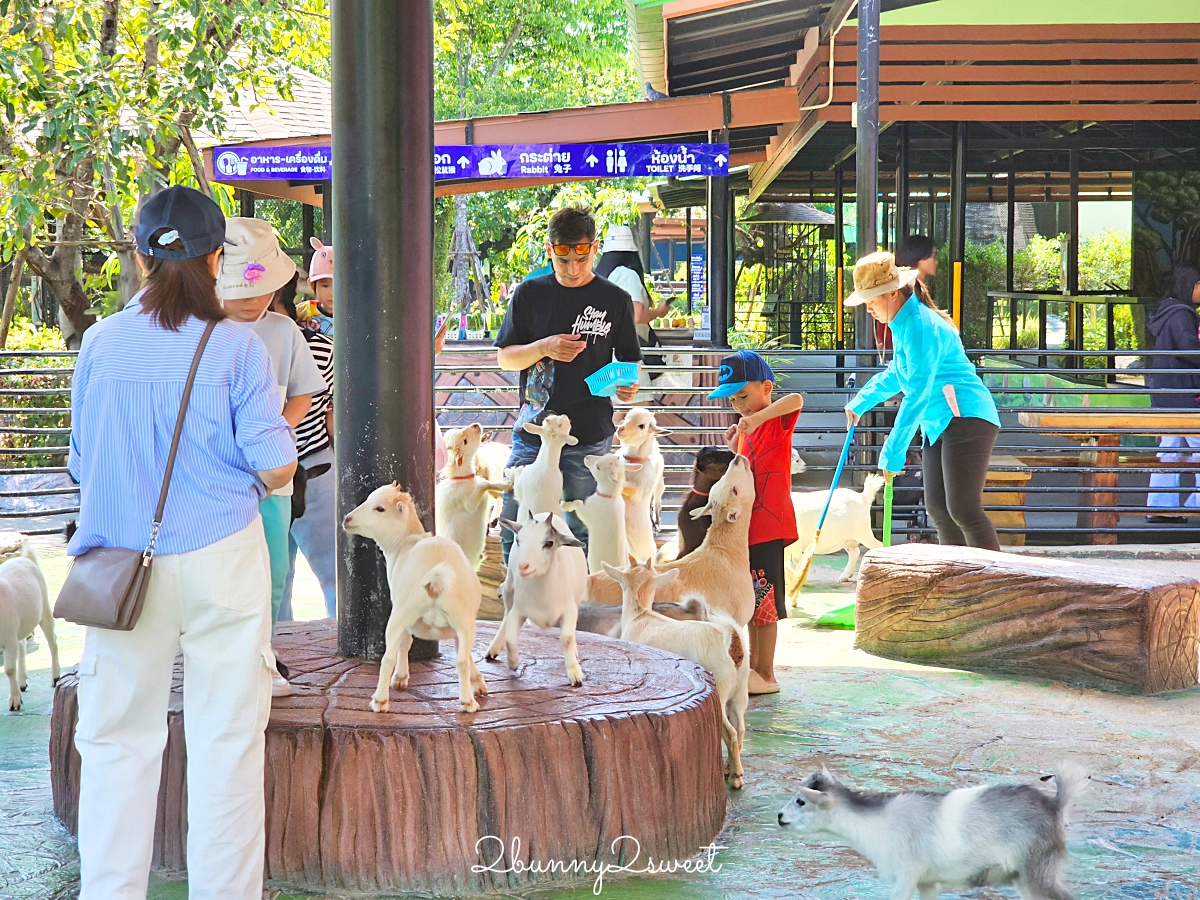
<point x="887" y="511"/>
<point x="837" y="476"/>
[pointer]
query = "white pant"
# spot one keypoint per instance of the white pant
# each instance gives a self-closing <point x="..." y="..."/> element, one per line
<point x="214" y="604"/>
<point x="1164" y="486"/>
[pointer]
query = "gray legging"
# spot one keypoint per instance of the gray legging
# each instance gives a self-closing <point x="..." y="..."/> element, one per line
<point x="955" y="469"/>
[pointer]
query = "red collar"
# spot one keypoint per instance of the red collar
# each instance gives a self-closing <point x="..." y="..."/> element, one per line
<point x="699" y="493"/>
<point x="605" y="496"/>
<point x="637" y="459"/>
<point x="462" y="477"/>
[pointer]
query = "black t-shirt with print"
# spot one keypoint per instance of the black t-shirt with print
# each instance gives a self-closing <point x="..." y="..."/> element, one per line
<point x="600" y="313"/>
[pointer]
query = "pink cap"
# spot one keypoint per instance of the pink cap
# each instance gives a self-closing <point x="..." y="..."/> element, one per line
<point x="322" y="261"/>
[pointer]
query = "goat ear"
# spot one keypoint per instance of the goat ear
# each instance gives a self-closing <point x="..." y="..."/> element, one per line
<point x="510" y="525"/>
<point x="633" y="467"/>
<point x="818" y="799"/>
<point x="572" y="440"/>
<point x="732" y="515"/>
<point x="665" y="578"/>
<point x="534" y="428"/>
<point x="656" y="430"/>
<point x="591" y="459"/>
<point x="705" y="510"/>
<point x="563" y="540"/>
<point x="612" y="571"/>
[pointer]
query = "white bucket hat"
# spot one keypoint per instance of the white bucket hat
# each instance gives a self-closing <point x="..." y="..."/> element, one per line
<point x="619" y="237"/>
<point x="876" y="274"/>
<point x="253" y="264"/>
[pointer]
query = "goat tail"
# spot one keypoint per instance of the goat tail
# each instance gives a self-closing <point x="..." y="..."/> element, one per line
<point x="437" y="580"/>
<point x="1071" y="782"/>
<point x="697" y="607"/>
<point x="872" y="486"/>
<point x="27" y="551"/>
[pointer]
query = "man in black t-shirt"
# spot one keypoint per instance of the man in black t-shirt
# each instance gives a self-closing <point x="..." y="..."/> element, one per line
<point x="559" y="329"/>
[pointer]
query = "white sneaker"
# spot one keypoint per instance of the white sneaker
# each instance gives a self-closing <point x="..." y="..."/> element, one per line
<point x="280" y="686"/>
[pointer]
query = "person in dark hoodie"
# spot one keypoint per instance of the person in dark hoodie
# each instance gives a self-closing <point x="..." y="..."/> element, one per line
<point x="1175" y="326"/>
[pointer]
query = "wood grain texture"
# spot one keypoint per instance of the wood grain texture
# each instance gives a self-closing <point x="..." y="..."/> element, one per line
<point x="1089" y="625"/>
<point x="396" y="802"/>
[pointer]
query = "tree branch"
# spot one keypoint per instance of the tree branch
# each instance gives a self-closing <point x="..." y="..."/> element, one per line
<point x="108" y="27"/>
<point x="150" y="49"/>
<point x="185" y="134"/>
<point x="509" y="42"/>
<point x="10" y="297"/>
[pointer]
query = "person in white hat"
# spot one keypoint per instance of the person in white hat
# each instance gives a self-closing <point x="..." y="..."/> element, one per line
<point x="253" y="268"/>
<point x="943" y="396"/>
<point x="621" y="264"/>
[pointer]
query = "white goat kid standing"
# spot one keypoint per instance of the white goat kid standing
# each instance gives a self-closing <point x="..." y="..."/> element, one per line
<point x="847" y="527"/>
<point x="717" y="643"/>
<point x="435" y="592"/>
<point x="604" y="511"/>
<point x="638" y="436"/>
<point x="463" y="499"/>
<point x="545" y="583"/>
<point x="538" y="487"/>
<point x="926" y="842"/>
<point x="490" y="463"/>
<point x="24" y="605"/>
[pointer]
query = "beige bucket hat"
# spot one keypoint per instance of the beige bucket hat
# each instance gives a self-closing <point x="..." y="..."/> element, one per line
<point x="252" y="265"/>
<point x="875" y="274"/>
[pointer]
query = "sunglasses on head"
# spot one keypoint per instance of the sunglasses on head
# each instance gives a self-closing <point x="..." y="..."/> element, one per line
<point x="561" y="250"/>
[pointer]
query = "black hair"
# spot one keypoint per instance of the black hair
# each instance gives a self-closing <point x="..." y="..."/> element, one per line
<point x="179" y="288"/>
<point x="913" y="249"/>
<point x="286" y="296"/>
<point x="1183" y="282"/>
<point x="922" y="292"/>
<point x="571" y="225"/>
<point x="615" y="259"/>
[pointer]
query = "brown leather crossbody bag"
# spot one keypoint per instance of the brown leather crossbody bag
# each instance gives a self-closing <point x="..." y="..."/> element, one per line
<point x="106" y="586"/>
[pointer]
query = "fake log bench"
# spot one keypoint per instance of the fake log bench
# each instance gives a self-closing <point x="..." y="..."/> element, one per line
<point x="398" y="802"/>
<point x="1087" y="625"/>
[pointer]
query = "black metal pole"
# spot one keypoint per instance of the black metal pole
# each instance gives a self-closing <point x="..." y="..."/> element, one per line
<point x="721" y="273"/>
<point x="839" y="254"/>
<point x="1073" y="260"/>
<point x="246" y="204"/>
<point x="902" y="166"/>
<point x="867" y="150"/>
<point x="1010" y="251"/>
<point x="383" y="292"/>
<point x="958" y="220"/>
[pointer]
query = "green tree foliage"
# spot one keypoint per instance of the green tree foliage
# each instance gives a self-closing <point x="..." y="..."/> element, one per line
<point x="102" y="100"/>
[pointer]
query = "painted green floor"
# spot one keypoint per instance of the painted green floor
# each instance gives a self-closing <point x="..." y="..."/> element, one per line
<point x="881" y="725"/>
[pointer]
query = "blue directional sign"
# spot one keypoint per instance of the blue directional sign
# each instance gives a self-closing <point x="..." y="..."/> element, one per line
<point x="492" y="161"/>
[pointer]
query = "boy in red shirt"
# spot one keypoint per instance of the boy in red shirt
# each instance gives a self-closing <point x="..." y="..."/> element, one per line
<point x="766" y="428"/>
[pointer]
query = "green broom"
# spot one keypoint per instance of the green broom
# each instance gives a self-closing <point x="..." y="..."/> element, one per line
<point x="811" y="549"/>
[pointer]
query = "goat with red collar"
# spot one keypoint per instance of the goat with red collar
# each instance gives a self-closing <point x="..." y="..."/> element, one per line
<point x="463" y="498"/>
<point x="604" y="511"/>
<point x="638" y="435"/>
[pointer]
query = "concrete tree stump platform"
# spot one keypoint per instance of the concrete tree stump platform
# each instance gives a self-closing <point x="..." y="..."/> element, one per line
<point x="396" y="802"/>
<point x="1084" y="624"/>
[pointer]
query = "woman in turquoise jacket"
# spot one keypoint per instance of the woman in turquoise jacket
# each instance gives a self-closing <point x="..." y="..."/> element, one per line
<point x="943" y="396"/>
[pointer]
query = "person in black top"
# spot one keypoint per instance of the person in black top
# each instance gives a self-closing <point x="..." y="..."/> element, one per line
<point x="559" y="329"/>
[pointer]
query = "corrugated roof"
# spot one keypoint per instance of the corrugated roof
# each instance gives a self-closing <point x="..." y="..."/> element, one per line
<point x="764" y="213"/>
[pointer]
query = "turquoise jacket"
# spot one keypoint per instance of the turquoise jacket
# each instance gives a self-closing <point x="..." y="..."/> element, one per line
<point x="930" y="368"/>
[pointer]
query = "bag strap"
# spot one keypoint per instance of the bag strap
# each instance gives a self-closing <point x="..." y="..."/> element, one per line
<point x="183" y="406"/>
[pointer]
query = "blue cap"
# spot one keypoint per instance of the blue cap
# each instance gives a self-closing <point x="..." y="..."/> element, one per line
<point x="193" y="219"/>
<point x="737" y="370"/>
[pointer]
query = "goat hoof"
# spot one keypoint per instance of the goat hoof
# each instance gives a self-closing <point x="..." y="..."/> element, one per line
<point x="469" y="706"/>
<point x="379" y="706"/>
<point x="576" y="680"/>
<point x="400" y="684"/>
<point x="24" y="688"/>
<point x="14" y="707"/>
<point x="481" y="688"/>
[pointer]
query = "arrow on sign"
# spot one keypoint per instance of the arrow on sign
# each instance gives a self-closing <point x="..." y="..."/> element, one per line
<point x="463" y="162"/>
<point x="720" y="159"/>
<point x="591" y="160"/>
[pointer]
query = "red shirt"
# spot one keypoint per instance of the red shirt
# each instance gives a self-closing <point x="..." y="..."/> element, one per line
<point x="769" y="449"/>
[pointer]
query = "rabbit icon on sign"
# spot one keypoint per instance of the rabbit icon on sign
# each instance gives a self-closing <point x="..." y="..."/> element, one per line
<point x="493" y="164"/>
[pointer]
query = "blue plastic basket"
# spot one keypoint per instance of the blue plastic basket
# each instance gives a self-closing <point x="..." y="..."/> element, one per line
<point x="604" y="382"/>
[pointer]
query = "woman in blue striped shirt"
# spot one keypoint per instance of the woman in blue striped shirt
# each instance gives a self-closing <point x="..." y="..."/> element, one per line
<point x="210" y="588"/>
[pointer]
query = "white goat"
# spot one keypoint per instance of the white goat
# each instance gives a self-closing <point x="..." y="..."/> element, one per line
<point x="604" y="511"/>
<point x="463" y="498"/>
<point x="490" y="463"/>
<point x="24" y="605"/>
<point x="545" y="583"/>
<point x="847" y="527"/>
<point x="538" y="486"/>
<point x="638" y="435"/>
<point x="716" y="571"/>
<point x="435" y="592"/>
<point x="719" y="644"/>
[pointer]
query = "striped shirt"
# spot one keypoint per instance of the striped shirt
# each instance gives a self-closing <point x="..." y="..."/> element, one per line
<point x="125" y="397"/>
<point x="311" y="434"/>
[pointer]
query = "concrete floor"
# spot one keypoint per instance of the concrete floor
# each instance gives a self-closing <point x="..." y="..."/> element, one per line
<point x="881" y="725"/>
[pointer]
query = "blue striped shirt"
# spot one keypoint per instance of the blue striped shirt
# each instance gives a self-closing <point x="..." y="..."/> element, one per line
<point x="125" y="396"/>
